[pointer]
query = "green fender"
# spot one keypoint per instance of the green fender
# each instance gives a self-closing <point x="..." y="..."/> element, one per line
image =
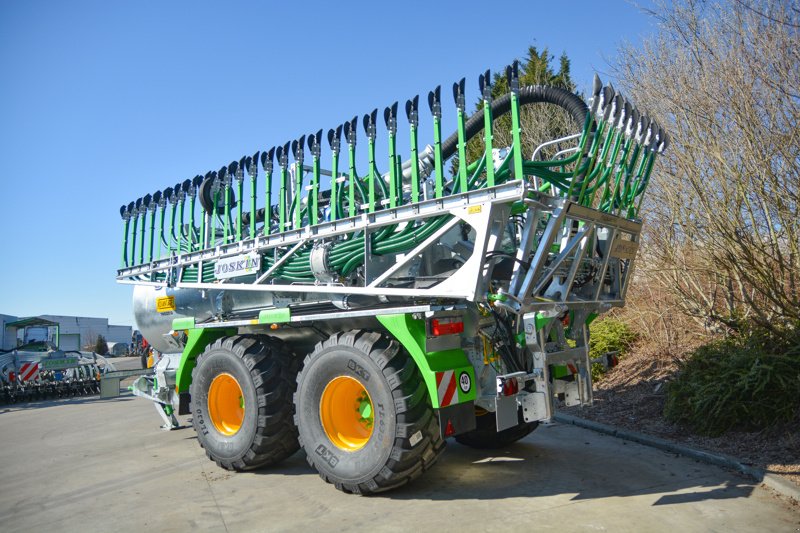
<point x="196" y="342"/>
<point x="410" y="332"/>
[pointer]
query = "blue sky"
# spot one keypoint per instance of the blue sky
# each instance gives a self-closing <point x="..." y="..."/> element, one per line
<point x="105" y="101"/>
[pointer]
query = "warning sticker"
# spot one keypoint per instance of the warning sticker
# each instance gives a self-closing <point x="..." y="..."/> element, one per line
<point x="165" y="304"/>
<point x="447" y="388"/>
<point x="474" y="209"/>
<point x="464" y="382"/>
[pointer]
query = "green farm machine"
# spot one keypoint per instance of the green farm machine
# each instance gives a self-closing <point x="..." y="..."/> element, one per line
<point x="366" y="317"/>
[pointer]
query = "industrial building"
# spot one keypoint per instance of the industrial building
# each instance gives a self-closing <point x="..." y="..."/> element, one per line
<point x="66" y="332"/>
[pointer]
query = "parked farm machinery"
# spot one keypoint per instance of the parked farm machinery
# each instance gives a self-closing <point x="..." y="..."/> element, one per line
<point x="366" y="316"/>
<point x="28" y="374"/>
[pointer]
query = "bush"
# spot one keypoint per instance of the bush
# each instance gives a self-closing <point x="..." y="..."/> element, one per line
<point x="748" y="382"/>
<point x="101" y="346"/>
<point x="608" y="335"/>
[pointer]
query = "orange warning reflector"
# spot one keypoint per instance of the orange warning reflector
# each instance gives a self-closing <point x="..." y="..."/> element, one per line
<point x="572" y="368"/>
<point x="449" y="430"/>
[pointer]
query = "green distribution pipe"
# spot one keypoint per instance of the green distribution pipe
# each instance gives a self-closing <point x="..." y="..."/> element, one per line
<point x="240" y="196"/>
<point x="266" y="162"/>
<point x="485" y="81"/>
<point x="181" y="226"/>
<point x="298" y="148"/>
<point x="333" y="139"/>
<point x="621" y="171"/>
<point x="630" y="173"/>
<point x="226" y="184"/>
<point x="645" y="182"/>
<point x="203" y="237"/>
<point x="640" y="171"/>
<point x="592" y="157"/>
<point x="435" y="103"/>
<point x="315" y="179"/>
<point x="282" y="197"/>
<point x="371" y="173"/>
<point x="152" y="233"/>
<point x="135" y="216"/>
<point x="391" y="126"/>
<point x="214" y="217"/>
<point x="413" y="121"/>
<point x="126" y="219"/>
<point x="608" y="169"/>
<point x="193" y="227"/>
<point x="398" y="172"/>
<point x="516" y="141"/>
<point x="602" y="164"/>
<point x="350" y="128"/>
<point x="581" y="167"/>
<point x="141" y="235"/>
<point x="461" y="102"/>
<point x="253" y="171"/>
<point x="161" y="239"/>
<point x="173" y="212"/>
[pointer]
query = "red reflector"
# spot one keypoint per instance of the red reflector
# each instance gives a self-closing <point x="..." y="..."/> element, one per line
<point x="449" y="429"/>
<point x="446" y="328"/>
<point x="572" y="368"/>
<point x="510" y="387"/>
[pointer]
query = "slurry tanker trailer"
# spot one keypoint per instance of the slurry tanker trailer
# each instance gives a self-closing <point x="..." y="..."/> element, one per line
<point x="365" y="315"/>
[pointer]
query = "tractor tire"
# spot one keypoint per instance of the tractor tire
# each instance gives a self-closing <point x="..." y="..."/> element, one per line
<point x="363" y="413"/>
<point x="241" y="401"/>
<point x="485" y="435"/>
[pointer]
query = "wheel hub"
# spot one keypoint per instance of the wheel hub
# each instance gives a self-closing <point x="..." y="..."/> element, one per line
<point x="346" y="413"/>
<point x="226" y="404"/>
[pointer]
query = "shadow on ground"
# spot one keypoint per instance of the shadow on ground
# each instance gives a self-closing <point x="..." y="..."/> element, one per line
<point x="559" y="460"/>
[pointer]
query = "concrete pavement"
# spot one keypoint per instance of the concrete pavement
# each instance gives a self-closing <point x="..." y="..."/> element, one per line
<point x="87" y="464"/>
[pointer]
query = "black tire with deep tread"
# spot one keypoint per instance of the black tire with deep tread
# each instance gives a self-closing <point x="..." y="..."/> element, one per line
<point x="402" y="410"/>
<point x="486" y="437"/>
<point x="266" y="372"/>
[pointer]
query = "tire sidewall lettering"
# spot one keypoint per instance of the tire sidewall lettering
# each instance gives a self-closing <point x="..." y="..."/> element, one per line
<point x="347" y="465"/>
<point x="226" y="447"/>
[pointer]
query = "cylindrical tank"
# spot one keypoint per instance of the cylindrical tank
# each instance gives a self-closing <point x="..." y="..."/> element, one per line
<point x="203" y="305"/>
<point x="154" y="325"/>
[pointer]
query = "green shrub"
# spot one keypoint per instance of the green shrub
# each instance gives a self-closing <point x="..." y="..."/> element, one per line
<point x="748" y="382"/>
<point x="608" y="335"/>
<point x="101" y="346"/>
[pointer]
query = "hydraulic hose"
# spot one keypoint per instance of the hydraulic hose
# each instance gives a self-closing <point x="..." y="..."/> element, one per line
<point x="532" y="94"/>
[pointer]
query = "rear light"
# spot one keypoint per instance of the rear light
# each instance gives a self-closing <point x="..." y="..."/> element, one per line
<point x="445" y="326"/>
<point x="510" y="385"/>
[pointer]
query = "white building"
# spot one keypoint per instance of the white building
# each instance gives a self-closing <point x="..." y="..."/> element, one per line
<point x="69" y="332"/>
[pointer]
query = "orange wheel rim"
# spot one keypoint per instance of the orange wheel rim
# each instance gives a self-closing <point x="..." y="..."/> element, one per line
<point x="226" y="404"/>
<point x="346" y="413"/>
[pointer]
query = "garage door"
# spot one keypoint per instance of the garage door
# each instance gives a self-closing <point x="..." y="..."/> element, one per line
<point x="71" y="341"/>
